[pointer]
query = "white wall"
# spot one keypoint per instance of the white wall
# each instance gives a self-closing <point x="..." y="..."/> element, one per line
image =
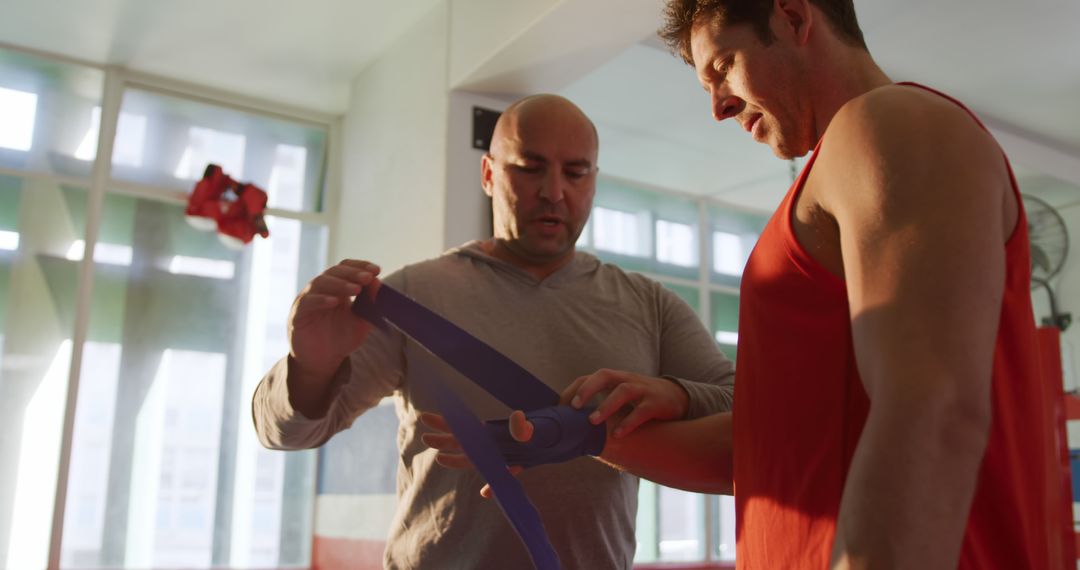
<point x="410" y="177"/>
<point x="394" y="152"/>
<point x="480" y="28"/>
<point x="467" y="207"/>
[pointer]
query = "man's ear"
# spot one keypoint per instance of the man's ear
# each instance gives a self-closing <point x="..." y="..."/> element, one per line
<point x="796" y="19"/>
<point x="486" y="173"/>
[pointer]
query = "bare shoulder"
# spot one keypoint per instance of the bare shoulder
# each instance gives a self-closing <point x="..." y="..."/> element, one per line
<point x="901" y="122"/>
<point x="902" y="144"/>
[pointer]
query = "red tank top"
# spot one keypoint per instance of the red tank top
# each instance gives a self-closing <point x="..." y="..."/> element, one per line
<point x="800" y="408"/>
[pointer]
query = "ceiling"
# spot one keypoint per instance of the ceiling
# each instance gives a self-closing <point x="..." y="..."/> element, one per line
<point x="300" y="53"/>
<point x="1015" y="63"/>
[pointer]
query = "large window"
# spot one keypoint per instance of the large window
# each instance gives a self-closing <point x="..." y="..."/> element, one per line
<point x="696" y="247"/>
<point x="155" y="331"/>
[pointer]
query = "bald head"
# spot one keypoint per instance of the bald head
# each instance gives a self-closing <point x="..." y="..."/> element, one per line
<point x="544" y="110"/>
<point x="541" y="176"/>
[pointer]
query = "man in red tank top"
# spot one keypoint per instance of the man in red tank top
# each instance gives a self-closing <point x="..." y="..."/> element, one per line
<point x="888" y="411"/>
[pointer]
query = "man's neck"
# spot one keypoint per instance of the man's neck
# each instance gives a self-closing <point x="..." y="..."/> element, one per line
<point x="855" y="73"/>
<point x="540" y="269"/>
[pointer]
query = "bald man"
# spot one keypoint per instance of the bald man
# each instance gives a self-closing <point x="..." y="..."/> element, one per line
<point x="560" y="313"/>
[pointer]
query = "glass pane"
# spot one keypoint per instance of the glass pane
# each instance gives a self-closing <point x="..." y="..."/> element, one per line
<point x="647" y="524"/>
<point x="165" y="468"/>
<point x="621" y="232"/>
<point x="168" y="141"/>
<point x="682" y="525"/>
<point x="733" y="234"/>
<point x="584" y="240"/>
<point x="729" y="253"/>
<point x="38" y="223"/>
<point x="645" y="230"/>
<point x="46" y="114"/>
<point x="676" y="243"/>
<point x="725" y="321"/>
<point x="723" y="527"/>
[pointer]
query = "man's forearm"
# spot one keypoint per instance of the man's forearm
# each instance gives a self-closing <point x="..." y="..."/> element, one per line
<point x="908" y="494"/>
<point x="694" y="455"/>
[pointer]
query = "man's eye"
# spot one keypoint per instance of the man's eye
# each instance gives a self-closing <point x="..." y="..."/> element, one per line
<point x="527" y="168"/>
<point x="577" y="173"/>
<point x="722" y="68"/>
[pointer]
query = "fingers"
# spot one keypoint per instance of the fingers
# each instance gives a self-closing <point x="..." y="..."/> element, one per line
<point x="434" y="421"/>
<point x="589" y="386"/>
<point x="571" y="391"/>
<point x="316" y="302"/>
<point x="441" y="442"/>
<point x="453" y="461"/>
<point x="335" y="287"/>
<point x="521" y="429"/>
<point x="622" y="395"/>
<point x="336" y="284"/>
<point x="633" y="420"/>
<point x="311" y="307"/>
<point x="365" y="266"/>
<point x="450" y="453"/>
<point x="360" y="273"/>
<point x="345" y="279"/>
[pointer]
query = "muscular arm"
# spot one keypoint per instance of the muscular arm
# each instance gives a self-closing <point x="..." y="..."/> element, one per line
<point x="693" y="455"/>
<point x="917" y="190"/>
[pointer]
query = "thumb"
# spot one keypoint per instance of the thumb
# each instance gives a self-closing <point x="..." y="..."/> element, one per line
<point x="520" y="428"/>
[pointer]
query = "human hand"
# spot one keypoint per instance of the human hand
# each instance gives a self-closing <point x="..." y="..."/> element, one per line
<point x="322" y="328"/>
<point x="647" y="397"/>
<point x="449" y="449"/>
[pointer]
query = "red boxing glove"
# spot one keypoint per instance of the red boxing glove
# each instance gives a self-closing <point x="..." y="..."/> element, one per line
<point x="243" y="218"/>
<point x="235" y="210"/>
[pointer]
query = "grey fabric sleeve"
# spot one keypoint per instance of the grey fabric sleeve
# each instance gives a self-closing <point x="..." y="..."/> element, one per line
<point x="690" y="357"/>
<point x="372" y="372"/>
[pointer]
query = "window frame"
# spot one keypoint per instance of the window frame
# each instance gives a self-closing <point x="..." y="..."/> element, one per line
<point x="706" y="285"/>
<point x="100" y="183"/>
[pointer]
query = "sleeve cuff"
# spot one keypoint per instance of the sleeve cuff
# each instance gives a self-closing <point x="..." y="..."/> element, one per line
<point x="697" y="393"/>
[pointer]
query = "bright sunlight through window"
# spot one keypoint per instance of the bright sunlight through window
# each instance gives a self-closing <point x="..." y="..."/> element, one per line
<point x="9" y="240"/>
<point x="676" y="243"/>
<point x="128" y="144"/>
<point x="616" y="231"/>
<point x="728" y="256"/>
<point x="729" y="338"/>
<point x="17" y="112"/>
<point x="109" y="253"/>
<point x="207" y="146"/>
<point x="202" y="266"/>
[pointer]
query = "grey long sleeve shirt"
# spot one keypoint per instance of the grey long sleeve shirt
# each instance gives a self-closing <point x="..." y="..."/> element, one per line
<point x="586" y="316"/>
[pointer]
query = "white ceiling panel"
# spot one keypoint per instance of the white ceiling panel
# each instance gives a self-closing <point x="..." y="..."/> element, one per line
<point x="300" y="53"/>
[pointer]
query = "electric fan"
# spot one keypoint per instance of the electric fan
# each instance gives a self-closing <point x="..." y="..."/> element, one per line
<point x="1049" y="248"/>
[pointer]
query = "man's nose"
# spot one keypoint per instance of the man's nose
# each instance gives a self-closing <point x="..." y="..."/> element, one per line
<point x="553" y="189"/>
<point x="725" y="106"/>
